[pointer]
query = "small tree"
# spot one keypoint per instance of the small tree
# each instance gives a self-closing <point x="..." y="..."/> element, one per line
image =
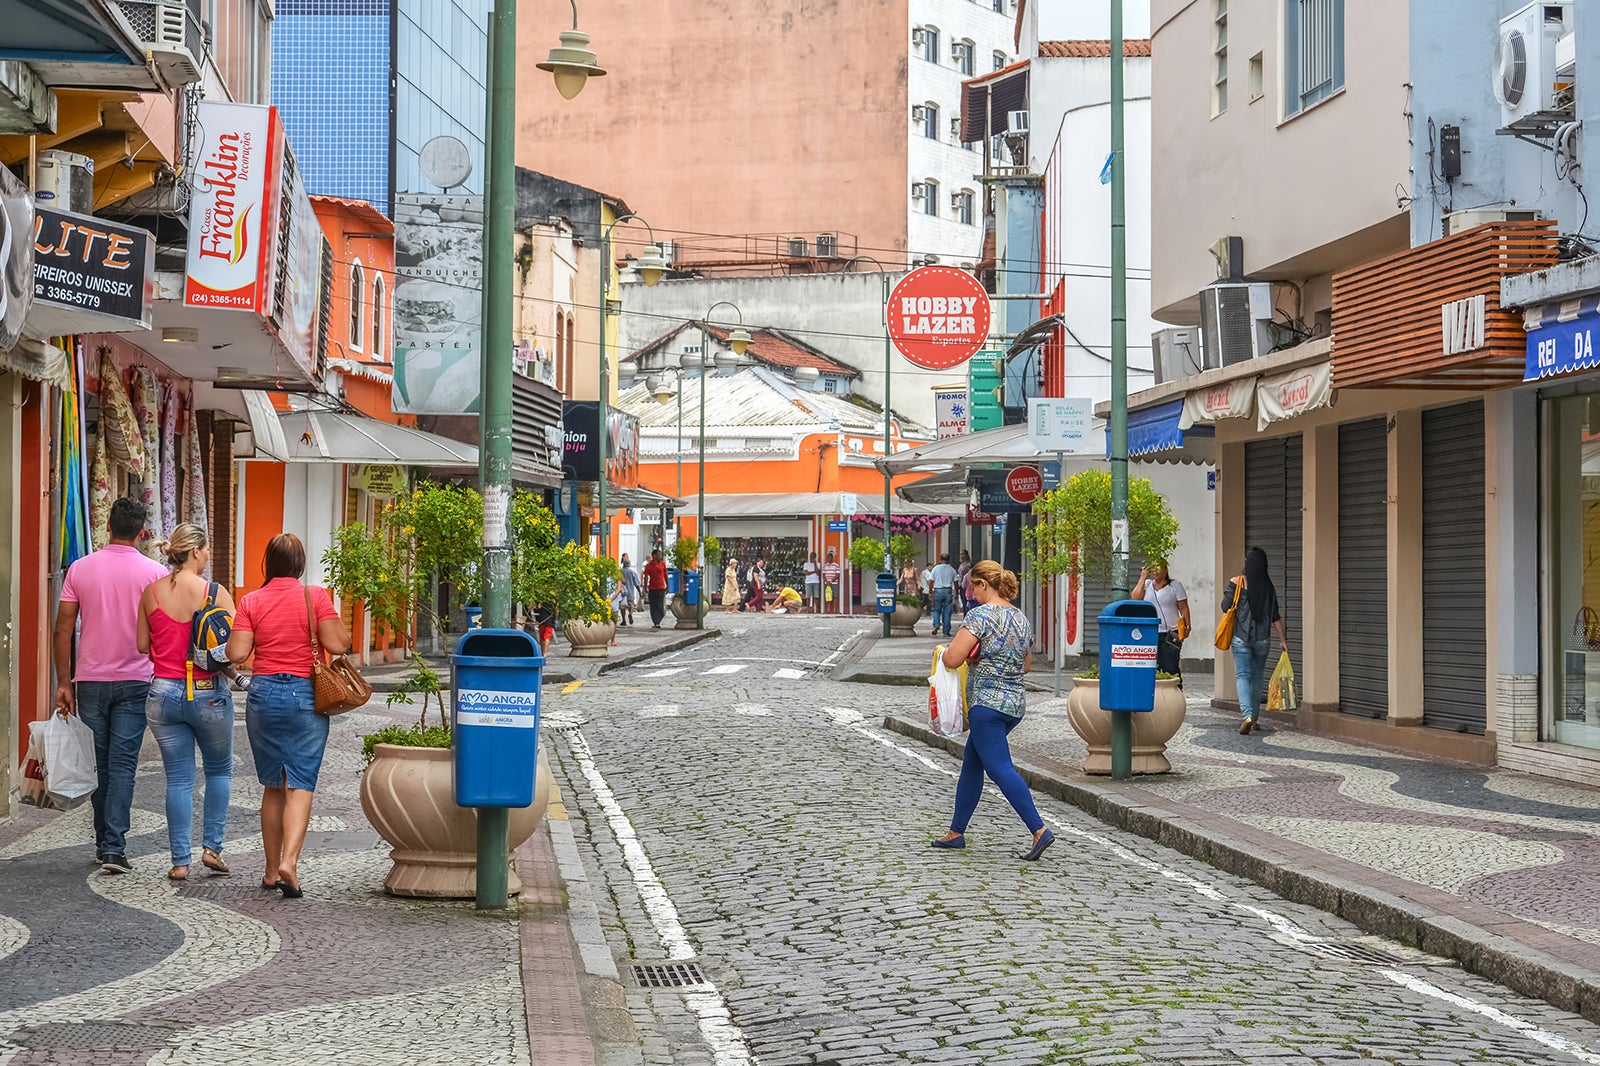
<point x="684" y="550"/>
<point x="1072" y="534"/>
<point x="902" y="549"/>
<point x="866" y="553"/>
<point x="713" y="552"/>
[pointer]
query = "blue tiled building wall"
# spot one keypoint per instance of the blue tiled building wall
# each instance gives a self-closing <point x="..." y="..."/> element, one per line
<point x="330" y="83"/>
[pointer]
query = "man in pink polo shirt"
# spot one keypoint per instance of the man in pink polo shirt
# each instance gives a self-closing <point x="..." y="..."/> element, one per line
<point x="102" y="592"/>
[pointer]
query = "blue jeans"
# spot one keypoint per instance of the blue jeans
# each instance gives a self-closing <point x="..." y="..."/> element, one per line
<point x="988" y="751"/>
<point x="114" y="713"/>
<point x="1249" y="667"/>
<point x="944" y="605"/>
<point x="178" y="724"/>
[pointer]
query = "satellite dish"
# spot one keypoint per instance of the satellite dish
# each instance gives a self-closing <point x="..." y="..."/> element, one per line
<point x="1511" y="68"/>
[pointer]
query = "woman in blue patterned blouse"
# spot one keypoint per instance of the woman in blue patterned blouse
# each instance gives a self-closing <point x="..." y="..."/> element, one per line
<point x="1004" y="642"/>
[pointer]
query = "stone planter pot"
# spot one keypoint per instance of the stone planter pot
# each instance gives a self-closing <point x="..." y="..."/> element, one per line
<point x="589" y="640"/>
<point x="683" y="612"/>
<point x="903" y="621"/>
<point x="408" y="796"/>
<point x="1150" y="731"/>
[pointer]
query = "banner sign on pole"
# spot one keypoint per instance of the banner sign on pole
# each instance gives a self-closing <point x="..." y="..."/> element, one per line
<point x="951" y="412"/>
<point x="1060" y="425"/>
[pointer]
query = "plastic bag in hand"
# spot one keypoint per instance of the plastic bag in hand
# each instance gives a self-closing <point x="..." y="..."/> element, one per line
<point x="69" y="770"/>
<point x="947" y="696"/>
<point x="1281" y="694"/>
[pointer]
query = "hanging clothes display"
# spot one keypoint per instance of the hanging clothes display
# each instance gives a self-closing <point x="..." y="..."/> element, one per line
<point x="169" y="460"/>
<point x="194" y="466"/>
<point x="119" y="426"/>
<point x="146" y="397"/>
<point x="101" y="492"/>
<point x="74" y="516"/>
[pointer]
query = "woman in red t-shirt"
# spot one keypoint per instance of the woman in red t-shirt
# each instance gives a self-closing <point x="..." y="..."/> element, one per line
<point x="287" y="735"/>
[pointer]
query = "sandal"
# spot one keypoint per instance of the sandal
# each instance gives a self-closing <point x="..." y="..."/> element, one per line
<point x="212" y="860"/>
<point x="178" y="873"/>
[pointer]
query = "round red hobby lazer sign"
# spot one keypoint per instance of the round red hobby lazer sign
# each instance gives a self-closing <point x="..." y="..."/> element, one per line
<point x="1024" y="484"/>
<point x="938" y="317"/>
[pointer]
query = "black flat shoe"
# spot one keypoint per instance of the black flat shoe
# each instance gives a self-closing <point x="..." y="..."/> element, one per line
<point x="1045" y="840"/>
<point x="954" y="843"/>
<point x="290" y="891"/>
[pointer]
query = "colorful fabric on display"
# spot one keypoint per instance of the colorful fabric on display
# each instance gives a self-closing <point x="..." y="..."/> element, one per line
<point x="169" y="459"/>
<point x="74" y="519"/>
<point x="101" y="491"/>
<point x="119" y="426"/>
<point x="916" y="523"/>
<point x="194" y="482"/>
<point x="146" y="397"/>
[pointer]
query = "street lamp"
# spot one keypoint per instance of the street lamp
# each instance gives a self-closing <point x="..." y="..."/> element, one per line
<point x="888" y="448"/>
<point x="571" y="61"/>
<point x="739" y="341"/>
<point x="651" y="265"/>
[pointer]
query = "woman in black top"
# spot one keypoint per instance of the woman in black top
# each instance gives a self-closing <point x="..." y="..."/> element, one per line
<point x="1258" y="617"/>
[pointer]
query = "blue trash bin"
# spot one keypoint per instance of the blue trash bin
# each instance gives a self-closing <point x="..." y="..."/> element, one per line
<point x="474" y="616"/>
<point x="494" y="688"/>
<point x="691" y="587"/>
<point x="672" y="580"/>
<point x="885" y="593"/>
<point x="1128" y="656"/>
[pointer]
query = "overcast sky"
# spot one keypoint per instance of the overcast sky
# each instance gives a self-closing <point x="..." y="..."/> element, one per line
<point x="1061" y="20"/>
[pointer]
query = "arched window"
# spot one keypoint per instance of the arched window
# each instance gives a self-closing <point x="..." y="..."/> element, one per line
<point x="571" y="367"/>
<point x="358" y="292"/>
<point x="378" y="346"/>
<point x="561" y="341"/>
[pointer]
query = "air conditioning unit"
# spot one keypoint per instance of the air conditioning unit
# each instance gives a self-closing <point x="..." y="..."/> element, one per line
<point x="1236" y="322"/>
<point x="172" y="33"/>
<point x="1016" y="122"/>
<point x="919" y="190"/>
<point x="1567" y="58"/>
<point x="919" y="37"/>
<point x="955" y="129"/>
<point x="669" y="251"/>
<point x="827" y="245"/>
<point x="918" y="112"/>
<point x="799" y="248"/>
<point x="1176" y="354"/>
<point x="65" y="181"/>
<point x="1525" y="59"/>
<point x="1461" y="221"/>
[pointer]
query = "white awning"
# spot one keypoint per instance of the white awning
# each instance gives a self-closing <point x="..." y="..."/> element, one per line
<point x="1294" y="392"/>
<point x="805" y="504"/>
<point x="342" y="437"/>
<point x="1008" y="444"/>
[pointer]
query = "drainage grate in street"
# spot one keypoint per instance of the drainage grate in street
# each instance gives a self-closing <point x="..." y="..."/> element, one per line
<point x="94" y="1036"/>
<point x="1355" y="952"/>
<point x="225" y="889"/>
<point x="669" y="975"/>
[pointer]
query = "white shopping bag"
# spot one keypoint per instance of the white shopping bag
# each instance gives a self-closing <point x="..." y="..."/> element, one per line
<point x="947" y="696"/>
<point x="69" y="770"/>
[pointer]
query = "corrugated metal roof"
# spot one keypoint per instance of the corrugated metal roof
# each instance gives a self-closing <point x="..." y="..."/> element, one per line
<point x="770" y="346"/>
<point x="750" y="399"/>
<point x="1081" y="49"/>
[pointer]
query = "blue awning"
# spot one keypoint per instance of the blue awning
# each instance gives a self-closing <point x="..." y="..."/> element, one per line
<point x="1563" y="347"/>
<point x="1155" y="429"/>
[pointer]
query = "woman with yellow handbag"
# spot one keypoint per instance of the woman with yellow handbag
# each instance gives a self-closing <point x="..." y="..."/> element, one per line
<point x="1250" y="610"/>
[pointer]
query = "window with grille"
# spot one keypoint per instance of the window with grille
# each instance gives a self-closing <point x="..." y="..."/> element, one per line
<point x="1219" y="57"/>
<point x="377" y="317"/>
<point x="1313" y="52"/>
<point x="963" y="207"/>
<point x="358" y="291"/>
<point x="930" y="198"/>
<point x="930" y="44"/>
<point x="930" y="121"/>
<point x="999" y="61"/>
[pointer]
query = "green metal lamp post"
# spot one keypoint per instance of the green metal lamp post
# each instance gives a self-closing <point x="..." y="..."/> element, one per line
<point x="739" y="341"/>
<point x="888" y="446"/>
<point x="1121" y="722"/>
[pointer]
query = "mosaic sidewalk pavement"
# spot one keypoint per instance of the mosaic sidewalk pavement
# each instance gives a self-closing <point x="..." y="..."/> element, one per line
<point x="134" y="969"/>
<point x="1513" y="844"/>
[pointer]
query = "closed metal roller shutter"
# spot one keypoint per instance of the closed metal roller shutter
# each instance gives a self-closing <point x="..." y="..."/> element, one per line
<point x="1364" y="569"/>
<point x="1274" y="473"/>
<point x="1454" y="651"/>
<point x="1096" y="594"/>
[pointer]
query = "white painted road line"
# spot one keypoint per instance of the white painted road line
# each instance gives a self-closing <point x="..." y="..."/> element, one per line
<point x="660" y="710"/>
<point x="726" y="668"/>
<point x="711" y="1011"/>
<point x="752" y="710"/>
<point x="666" y="673"/>
<point x="788" y="673"/>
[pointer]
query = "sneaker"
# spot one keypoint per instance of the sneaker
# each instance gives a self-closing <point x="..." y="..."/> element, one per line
<point x="116" y="864"/>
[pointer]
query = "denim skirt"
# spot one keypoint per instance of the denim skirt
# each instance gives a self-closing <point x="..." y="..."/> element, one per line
<point x="287" y="735"/>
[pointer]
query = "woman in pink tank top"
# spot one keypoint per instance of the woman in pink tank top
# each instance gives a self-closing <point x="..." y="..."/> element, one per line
<point x="177" y="721"/>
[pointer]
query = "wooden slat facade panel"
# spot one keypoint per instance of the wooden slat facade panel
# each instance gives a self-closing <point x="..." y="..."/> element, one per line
<point x="1387" y="324"/>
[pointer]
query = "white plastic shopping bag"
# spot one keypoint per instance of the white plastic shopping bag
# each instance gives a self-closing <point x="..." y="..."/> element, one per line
<point x="947" y="696"/>
<point x="69" y="770"/>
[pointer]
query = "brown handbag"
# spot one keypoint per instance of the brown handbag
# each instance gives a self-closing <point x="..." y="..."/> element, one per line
<point x="336" y="686"/>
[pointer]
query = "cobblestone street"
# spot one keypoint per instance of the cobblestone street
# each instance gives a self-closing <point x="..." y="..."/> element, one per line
<point x="738" y="810"/>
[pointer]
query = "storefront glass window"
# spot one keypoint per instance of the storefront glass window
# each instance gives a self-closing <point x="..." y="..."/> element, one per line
<point x="1572" y="626"/>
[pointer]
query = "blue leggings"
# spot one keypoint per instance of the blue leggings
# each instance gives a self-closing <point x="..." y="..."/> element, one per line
<point x="987" y="750"/>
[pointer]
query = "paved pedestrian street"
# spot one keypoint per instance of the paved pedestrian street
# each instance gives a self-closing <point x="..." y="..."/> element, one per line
<point x="763" y="827"/>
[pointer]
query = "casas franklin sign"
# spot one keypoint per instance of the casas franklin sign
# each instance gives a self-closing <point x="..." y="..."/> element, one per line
<point x="938" y="317"/>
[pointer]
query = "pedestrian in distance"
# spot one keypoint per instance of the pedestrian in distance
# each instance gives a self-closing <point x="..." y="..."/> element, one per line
<point x="655" y="583"/>
<point x="813" y="575"/>
<point x="925" y="586"/>
<point x="544" y="622"/>
<point x="909" y="583"/>
<point x="1003" y="640"/>
<point x="109" y="687"/>
<point x="963" y="568"/>
<point x="630" y="592"/>
<point x="1172" y="611"/>
<point x="758" y="583"/>
<point x="188" y="707"/>
<point x="287" y="735"/>
<point x="730" y="587"/>
<point x="830" y="577"/>
<point x="943" y="579"/>
<point x="1258" y="617"/>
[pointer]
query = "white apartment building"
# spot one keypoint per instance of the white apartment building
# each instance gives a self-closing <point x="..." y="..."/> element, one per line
<point x="951" y="40"/>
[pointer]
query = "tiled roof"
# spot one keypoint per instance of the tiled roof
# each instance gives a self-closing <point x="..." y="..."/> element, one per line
<point x="1090" y="49"/>
<point x="360" y="208"/>
<point x="775" y="348"/>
